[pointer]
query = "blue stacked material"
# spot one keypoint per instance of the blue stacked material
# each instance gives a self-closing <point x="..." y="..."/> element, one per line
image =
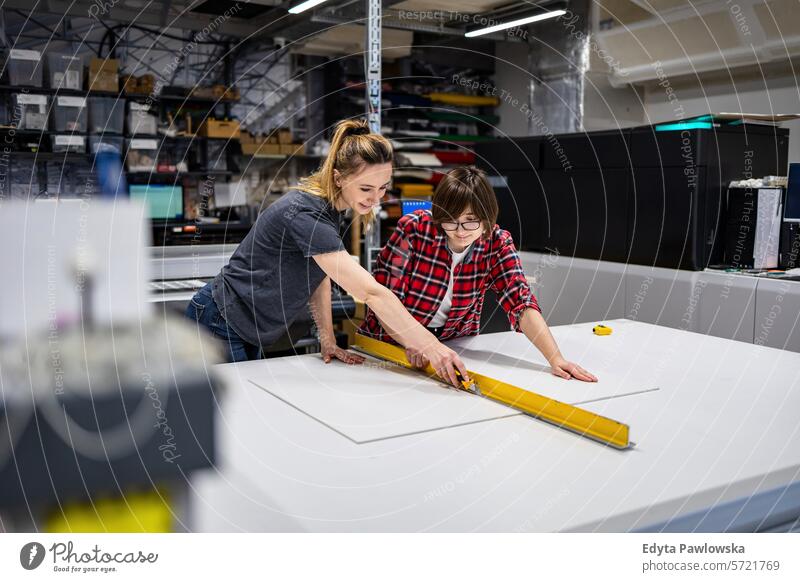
<point x="410" y="206"/>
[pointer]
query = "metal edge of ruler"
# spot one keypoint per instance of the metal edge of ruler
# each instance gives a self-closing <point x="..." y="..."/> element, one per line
<point x="572" y="418"/>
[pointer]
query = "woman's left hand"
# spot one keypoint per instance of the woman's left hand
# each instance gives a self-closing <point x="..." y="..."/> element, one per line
<point x="568" y="370"/>
<point x="330" y="351"/>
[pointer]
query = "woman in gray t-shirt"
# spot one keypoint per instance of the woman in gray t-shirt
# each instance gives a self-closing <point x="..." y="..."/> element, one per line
<point x="288" y="259"/>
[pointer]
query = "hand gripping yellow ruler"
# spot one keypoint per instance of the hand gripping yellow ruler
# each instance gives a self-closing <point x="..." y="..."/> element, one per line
<point x="572" y="418"/>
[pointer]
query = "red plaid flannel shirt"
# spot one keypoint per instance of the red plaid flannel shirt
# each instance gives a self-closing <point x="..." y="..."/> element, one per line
<point x="415" y="264"/>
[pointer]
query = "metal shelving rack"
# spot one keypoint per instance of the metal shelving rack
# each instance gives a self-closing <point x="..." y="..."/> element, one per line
<point x="162" y="103"/>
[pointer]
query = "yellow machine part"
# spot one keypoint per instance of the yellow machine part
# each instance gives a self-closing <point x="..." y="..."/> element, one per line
<point x="573" y="418"/>
<point x="412" y="190"/>
<point x="463" y="100"/>
<point x="137" y="512"/>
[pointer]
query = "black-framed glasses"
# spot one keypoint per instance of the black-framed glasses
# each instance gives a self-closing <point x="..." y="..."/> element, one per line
<point x="468" y="225"/>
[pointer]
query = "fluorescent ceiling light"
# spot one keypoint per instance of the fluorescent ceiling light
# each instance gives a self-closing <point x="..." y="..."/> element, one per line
<point x="303" y="6"/>
<point x="513" y="23"/>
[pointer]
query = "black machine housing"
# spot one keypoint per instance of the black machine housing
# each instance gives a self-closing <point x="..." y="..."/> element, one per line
<point x="633" y="195"/>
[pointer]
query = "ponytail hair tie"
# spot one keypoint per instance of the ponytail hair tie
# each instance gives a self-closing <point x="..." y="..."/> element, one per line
<point x="360" y="129"/>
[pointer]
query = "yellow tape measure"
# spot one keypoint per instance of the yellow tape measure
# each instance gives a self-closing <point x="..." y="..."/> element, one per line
<point x="601" y="330"/>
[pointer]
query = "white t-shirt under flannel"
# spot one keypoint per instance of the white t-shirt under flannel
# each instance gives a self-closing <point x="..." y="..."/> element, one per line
<point x="440" y="318"/>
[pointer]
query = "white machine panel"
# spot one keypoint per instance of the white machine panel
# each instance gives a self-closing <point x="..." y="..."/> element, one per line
<point x="55" y="253"/>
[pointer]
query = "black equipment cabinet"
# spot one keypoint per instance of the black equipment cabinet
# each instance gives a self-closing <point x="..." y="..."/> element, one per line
<point x="586" y="215"/>
<point x="679" y="183"/>
<point x="635" y="195"/>
<point x="666" y="218"/>
<point x="522" y="208"/>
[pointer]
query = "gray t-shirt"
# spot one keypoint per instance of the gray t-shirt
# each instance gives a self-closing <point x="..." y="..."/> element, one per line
<point x="271" y="275"/>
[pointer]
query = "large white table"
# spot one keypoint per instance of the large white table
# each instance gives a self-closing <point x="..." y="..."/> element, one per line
<point x="305" y="446"/>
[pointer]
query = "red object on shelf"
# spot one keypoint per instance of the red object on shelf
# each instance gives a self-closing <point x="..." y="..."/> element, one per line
<point x="437" y="176"/>
<point x="455" y="156"/>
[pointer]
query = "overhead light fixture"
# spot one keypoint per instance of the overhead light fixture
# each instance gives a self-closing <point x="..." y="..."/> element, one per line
<point x="513" y="23"/>
<point x="303" y="6"/>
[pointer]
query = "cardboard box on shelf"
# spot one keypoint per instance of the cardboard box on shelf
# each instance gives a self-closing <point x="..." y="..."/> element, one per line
<point x="216" y="92"/>
<point x="103" y="75"/>
<point x="284" y="136"/>
<point x="147" y="83"/>
<point x="203" y="93"/>
<point x="293" y="149"/>
<point x="104" y="81"/>
<point x="220" y="128"/>
<point x="261" y="145"/>
<point x="144" y="85"/>
<point x="245" y="137"/>
<point x="230" y="94"/>
<point x="261" y="149"/>
<point x="130" y="84"/>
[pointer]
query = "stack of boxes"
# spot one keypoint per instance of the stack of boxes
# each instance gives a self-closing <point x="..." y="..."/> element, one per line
<point x="216" y="93"/>
<point x="286" y="143"/>
<point x="63" y="113"/>
<point x="277" y="143"/>
<point x="257" y="145"/>
<point x="76" y="123"/>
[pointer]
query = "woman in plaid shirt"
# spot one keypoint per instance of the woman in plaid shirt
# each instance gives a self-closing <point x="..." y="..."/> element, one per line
<point x="460" y="236"/>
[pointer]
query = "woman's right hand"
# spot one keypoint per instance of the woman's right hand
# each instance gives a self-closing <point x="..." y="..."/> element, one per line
<point x="445" y="361"/>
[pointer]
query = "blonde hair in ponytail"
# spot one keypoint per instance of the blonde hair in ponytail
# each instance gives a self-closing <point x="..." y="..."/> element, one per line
<point x="352" y="146"/>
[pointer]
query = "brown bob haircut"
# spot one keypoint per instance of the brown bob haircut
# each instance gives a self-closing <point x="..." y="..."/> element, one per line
<point x="462" y="188"/>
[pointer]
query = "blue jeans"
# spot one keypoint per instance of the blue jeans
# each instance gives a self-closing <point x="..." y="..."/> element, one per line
<point x="203" y="310"/>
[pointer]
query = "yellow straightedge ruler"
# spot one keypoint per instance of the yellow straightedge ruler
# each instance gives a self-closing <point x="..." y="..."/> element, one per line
<point x="580" y="421"/>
